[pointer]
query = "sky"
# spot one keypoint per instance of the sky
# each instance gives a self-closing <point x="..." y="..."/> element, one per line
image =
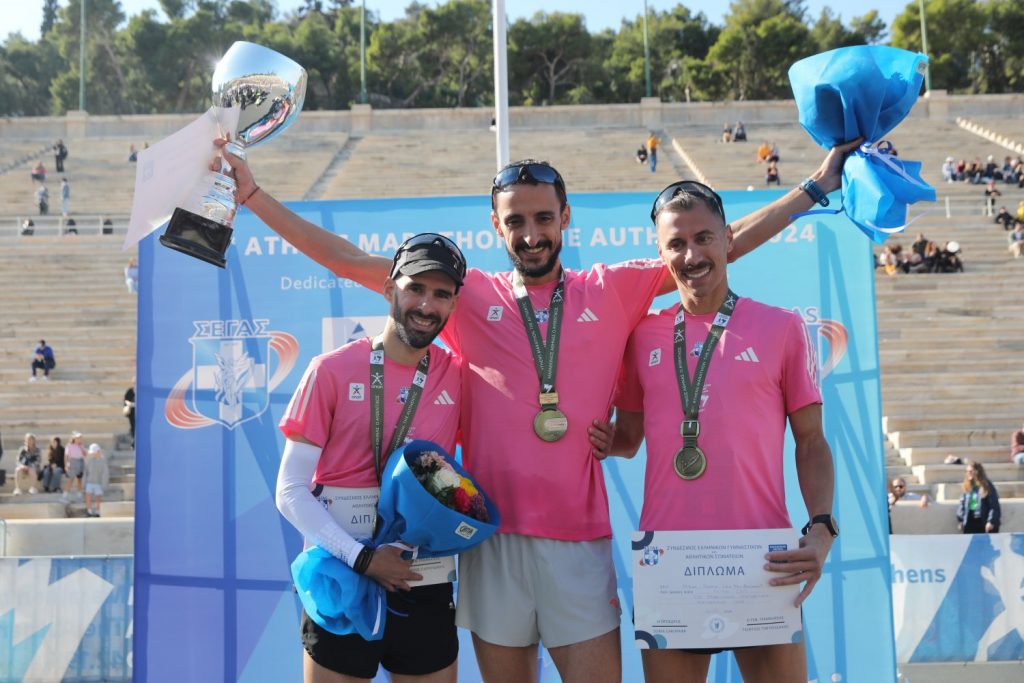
<point x="26" y="15"/>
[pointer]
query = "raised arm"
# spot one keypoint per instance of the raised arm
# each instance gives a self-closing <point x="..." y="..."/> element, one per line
<point x="330" y="250"/>
<point x="758" y="227"/>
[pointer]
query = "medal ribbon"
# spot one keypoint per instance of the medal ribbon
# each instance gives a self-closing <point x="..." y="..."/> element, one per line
<point x="545" y="354"/>
<point x="412" y="400"/>
<point x="689" y="393"/>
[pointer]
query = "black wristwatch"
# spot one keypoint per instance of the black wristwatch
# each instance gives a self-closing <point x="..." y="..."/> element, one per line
<point x="828" y="520"/>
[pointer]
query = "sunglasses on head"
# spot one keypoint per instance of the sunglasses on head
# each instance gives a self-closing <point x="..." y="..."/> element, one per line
<point x="430" y="239"/>
<point x="687" y="187"/>
<point x="528" y="173"/>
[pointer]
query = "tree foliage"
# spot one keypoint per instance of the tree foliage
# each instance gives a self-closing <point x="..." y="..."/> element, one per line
<point x="442" y="56"/>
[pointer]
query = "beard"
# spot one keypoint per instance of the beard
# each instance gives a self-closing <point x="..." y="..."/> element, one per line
<point x="539" y="270"/>
<point x="410" y="336"/>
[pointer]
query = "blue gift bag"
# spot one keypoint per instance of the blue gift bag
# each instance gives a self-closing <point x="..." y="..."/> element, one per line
<point x="865" y="91"/>
<point x="344" y="602"/>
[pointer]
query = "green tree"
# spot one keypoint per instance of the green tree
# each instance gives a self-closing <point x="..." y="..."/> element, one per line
<point x="26" y="70"/>
<point x="870" y="29"/>
<point x="956" y="35"/>
<point x="759" y="42"/>
<point x="547" y="54"/>
<point x="49" y="16"/>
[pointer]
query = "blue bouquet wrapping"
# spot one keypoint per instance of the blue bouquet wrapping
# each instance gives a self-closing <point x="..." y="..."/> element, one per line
<point x="865" y="91"/>
<point x="342" y="601"/>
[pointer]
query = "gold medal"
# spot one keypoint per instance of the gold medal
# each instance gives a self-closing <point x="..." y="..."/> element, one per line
<point x="550" y="424"/>
<point x="690" y="462"/>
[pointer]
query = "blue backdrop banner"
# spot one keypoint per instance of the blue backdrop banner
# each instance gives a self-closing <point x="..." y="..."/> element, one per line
<point x="220" y="352"/>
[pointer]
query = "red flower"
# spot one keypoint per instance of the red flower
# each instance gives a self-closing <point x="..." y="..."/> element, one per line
<point x="461" y="500"/>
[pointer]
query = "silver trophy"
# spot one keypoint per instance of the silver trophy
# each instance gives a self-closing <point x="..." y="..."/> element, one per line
<point x="268" y="88"/>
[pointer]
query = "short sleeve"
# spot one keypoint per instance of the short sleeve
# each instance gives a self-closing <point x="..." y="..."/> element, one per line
<point x="629" y="394"/>
<point x="800" y="381"/>
<point x="311" y="410"/>
<point x="472" y="285"/>
<point x="636" y="283"/>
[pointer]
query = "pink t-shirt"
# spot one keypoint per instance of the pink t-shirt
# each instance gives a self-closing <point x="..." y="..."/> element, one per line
<point x="74" y="452"/>
<point x="331" y="408"/>
<point x="763" y="369"/>
<point x="552" y="490"/>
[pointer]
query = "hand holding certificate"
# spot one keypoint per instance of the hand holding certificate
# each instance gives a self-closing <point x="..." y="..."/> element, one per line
<point x="712" y="589"/>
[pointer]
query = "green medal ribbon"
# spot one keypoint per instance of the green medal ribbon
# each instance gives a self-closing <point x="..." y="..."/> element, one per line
<point x="552" y="426"/>
<point x="412" y="400"/>
<point x="690" y="461"/>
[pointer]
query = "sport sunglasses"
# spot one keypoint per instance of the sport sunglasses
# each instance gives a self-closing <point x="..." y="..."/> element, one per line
<point x="531" y="173"/>
<point x="686" y="187"/>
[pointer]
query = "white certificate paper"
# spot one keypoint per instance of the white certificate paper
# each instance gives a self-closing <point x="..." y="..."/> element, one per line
<point x="709" y="589"/>
<point x="355" y="511"/>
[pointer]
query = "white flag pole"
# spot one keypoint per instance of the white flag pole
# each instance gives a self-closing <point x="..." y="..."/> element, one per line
<point x="500" y="83"/>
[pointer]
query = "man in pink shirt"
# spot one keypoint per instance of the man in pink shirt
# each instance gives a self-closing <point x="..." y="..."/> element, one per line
<point x="350" y="403"/>
<point x="541" y="347"/>
<point x="715" y="446"/>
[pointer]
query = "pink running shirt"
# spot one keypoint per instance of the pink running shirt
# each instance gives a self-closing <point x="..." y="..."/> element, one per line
<point x="551" y="490"/>
<point x="763" y="369"/>
<point x="331" y="408"/>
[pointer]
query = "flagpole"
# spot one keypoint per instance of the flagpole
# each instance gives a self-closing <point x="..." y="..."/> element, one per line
<point x="500" y="84"/>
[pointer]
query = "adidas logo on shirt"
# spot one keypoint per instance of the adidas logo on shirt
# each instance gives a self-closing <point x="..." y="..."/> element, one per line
<point x="749" y="356"/>
<point x="587" y="316"/>
<point x="443" y="399"/>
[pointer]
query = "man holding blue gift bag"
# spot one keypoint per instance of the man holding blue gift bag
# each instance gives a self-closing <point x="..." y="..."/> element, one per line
<point x="350" y="403"/>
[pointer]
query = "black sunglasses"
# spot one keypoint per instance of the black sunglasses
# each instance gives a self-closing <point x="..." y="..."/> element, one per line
<point x="529" y="173"/>
<point x="687" y="187"/>
<point x="429" y="239"/>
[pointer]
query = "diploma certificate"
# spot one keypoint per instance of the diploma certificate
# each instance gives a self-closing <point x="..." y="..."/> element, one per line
<point x="355" y="511"/>
<point x="709" y="589"/>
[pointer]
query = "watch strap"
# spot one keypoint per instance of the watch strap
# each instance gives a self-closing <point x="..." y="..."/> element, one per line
<point x="814" y="192"/>
<point x="825" y="519"/>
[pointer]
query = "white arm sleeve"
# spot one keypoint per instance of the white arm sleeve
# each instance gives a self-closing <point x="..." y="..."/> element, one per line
<point x="298" y="505"/>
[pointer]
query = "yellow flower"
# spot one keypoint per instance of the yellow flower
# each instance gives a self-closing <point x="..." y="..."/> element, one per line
<point x="468" y="487"/>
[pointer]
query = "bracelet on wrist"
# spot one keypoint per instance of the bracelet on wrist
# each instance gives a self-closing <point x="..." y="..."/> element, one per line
<point x="814" y="192"/>
<point x="363" y="560"/>
<point x="254" y="191"/>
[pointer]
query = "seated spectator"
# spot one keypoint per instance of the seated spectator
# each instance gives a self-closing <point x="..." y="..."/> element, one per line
<point x="764" y="150"/>
<point x="978" y="511"/>
<point x="1017" y="175"/>
<point x="1004" y="217"/>
<point x="931" y="256"/>
<point x="133" y="155"/>
<point x="953" y="460"/>
<point x="892" y="261"/>
<point x="641" y="154"/>
<point x="1007" y="171"/>
<point x="38" y="172"/>
<point x="961" y="170"/>
<point x="53" y="472"/>
<point x="974" y="173"/>
<point x="1020" y="210"/>
<point x="900" y="492"/>
<point x="1017" y="447"/>
<point x="131" y="275"/>
<point x="28" y="227"/>
<point x="949" y="260"/>
<point x="108" y="227"/>
<point x="71" y="227"/>
<point x="1015" y="240"/>
<point x="27" y="471"/>
<point x="919" y="244"/>
<point x="739" y="133"/>
<point x="991" y="192"/>
<point x="771" y="174"/>
<point x="949" y="170"/>
<point x="726" y="133"/>
<point x="992" y="171"/>
<point x="43" y="360"/>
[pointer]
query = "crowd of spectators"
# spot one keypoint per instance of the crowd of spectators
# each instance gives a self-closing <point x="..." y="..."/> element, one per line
<point x="1011" y="171"/>
<point x="925" y="256"/>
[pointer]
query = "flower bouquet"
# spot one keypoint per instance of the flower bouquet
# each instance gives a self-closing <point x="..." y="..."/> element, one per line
<point x="426" y="500"/>
<point x="865" y="91"/>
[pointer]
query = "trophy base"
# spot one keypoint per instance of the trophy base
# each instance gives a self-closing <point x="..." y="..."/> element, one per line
<point x="197" y="237"/>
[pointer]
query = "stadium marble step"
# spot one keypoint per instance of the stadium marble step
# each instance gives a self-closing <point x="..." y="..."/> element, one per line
<point x="956" y="376"/>
<point x="941" y="391"/>
<point x="938" y="474"/>
<point x="995" y="331"/>
<point x="1006" y="490"/>
<point x="939" y="355"/>
<point x="1008" y="421"/>
<point x="43" y="426"/>
<point x="940" y="518"/>
<point x="949" y="437"/>
<point x="914" y="456"/>
<point x="110" y="534"/>
<point x="923" y="404"/>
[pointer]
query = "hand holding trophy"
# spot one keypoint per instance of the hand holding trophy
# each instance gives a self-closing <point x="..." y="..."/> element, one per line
<point x="269" y="89"/>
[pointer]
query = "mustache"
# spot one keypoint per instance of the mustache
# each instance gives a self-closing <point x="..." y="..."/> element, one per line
<point x="522" y="246"/>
